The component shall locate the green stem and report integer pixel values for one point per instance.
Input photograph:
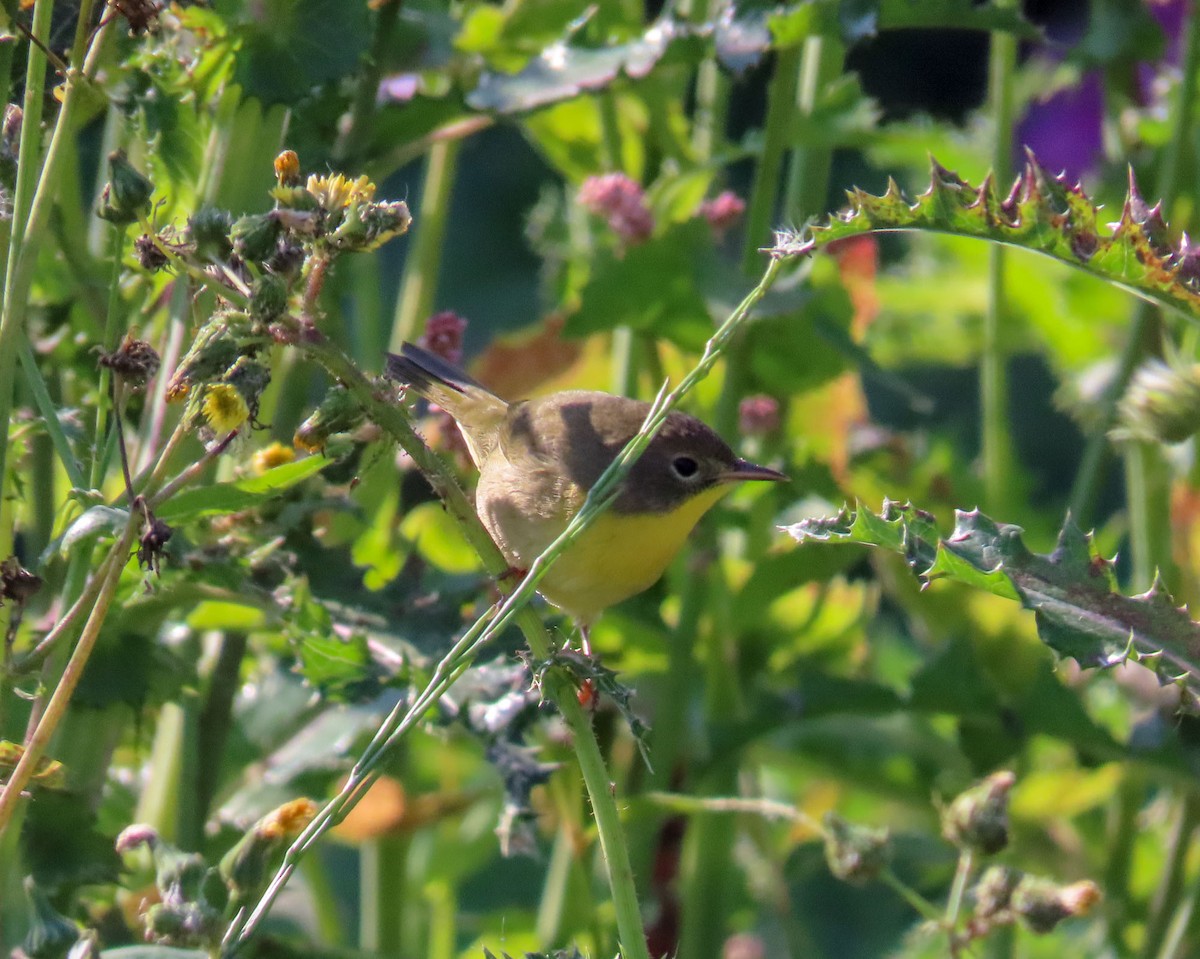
(216, 717)
(1167, 899)
(12, 319)
(781, 103)
(958, 890)
(383, 865)
(108, 576)
(993, 374)
(1147, 485)
(112, 331)
(808, 169)
(418, 289)
(1122, 832)
(712, 99)
(1181, 936)
(350, 146)
(22, 254)
(324, 901)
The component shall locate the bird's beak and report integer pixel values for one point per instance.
(745, 470)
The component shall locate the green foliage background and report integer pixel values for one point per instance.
(312, 583)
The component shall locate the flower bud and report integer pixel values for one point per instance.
(339, 412)
(276, 454)
(213, 352)
(994, 890)
(209, 230)
(127, 193)
(1042, 904)
(250, 863)
(254, 236)
(855, 854)
(268, 298)
(287, 168)
(978, 818)
(622, 204)
(1162, 403)
(444, 336)
(723, 211)
(758, 415)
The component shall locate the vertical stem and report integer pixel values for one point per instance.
(12, 320)
(418, 290)
(1170, 891)
(1147, 491)
(111, 333)
(808, 169)
(781, 97)
(957, 891)
(383, 864)
(349, 146)
(993, 374)
(712, 95)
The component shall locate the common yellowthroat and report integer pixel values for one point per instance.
(539, 458)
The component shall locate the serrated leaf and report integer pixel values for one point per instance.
(1041, 213)
(223, 498)
(1078, 611)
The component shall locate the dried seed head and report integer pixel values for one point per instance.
(135, 361)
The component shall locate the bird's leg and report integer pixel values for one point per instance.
(507, 581)
(587, 695)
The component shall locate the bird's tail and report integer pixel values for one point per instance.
(478, 411)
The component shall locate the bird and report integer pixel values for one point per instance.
(538, 458)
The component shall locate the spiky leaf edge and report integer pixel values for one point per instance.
(1041, 213)
(1072, 591)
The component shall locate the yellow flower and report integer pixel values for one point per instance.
(336, 192)
(288, 821)
(271, 456)
(225, 408)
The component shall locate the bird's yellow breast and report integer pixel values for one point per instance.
(620, 555)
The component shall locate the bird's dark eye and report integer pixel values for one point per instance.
(685, 467)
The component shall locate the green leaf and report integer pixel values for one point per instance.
(653, 286)
(438, 539)
(223, 498)
(563, 71)
(1042, 214)
(1072, 591)
(95, 521)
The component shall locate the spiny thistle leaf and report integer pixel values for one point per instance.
(1041, 213)
(1072, 591)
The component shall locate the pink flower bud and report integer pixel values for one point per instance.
(444, 336)
(622, 204)
(758, 415)
(723, 211)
